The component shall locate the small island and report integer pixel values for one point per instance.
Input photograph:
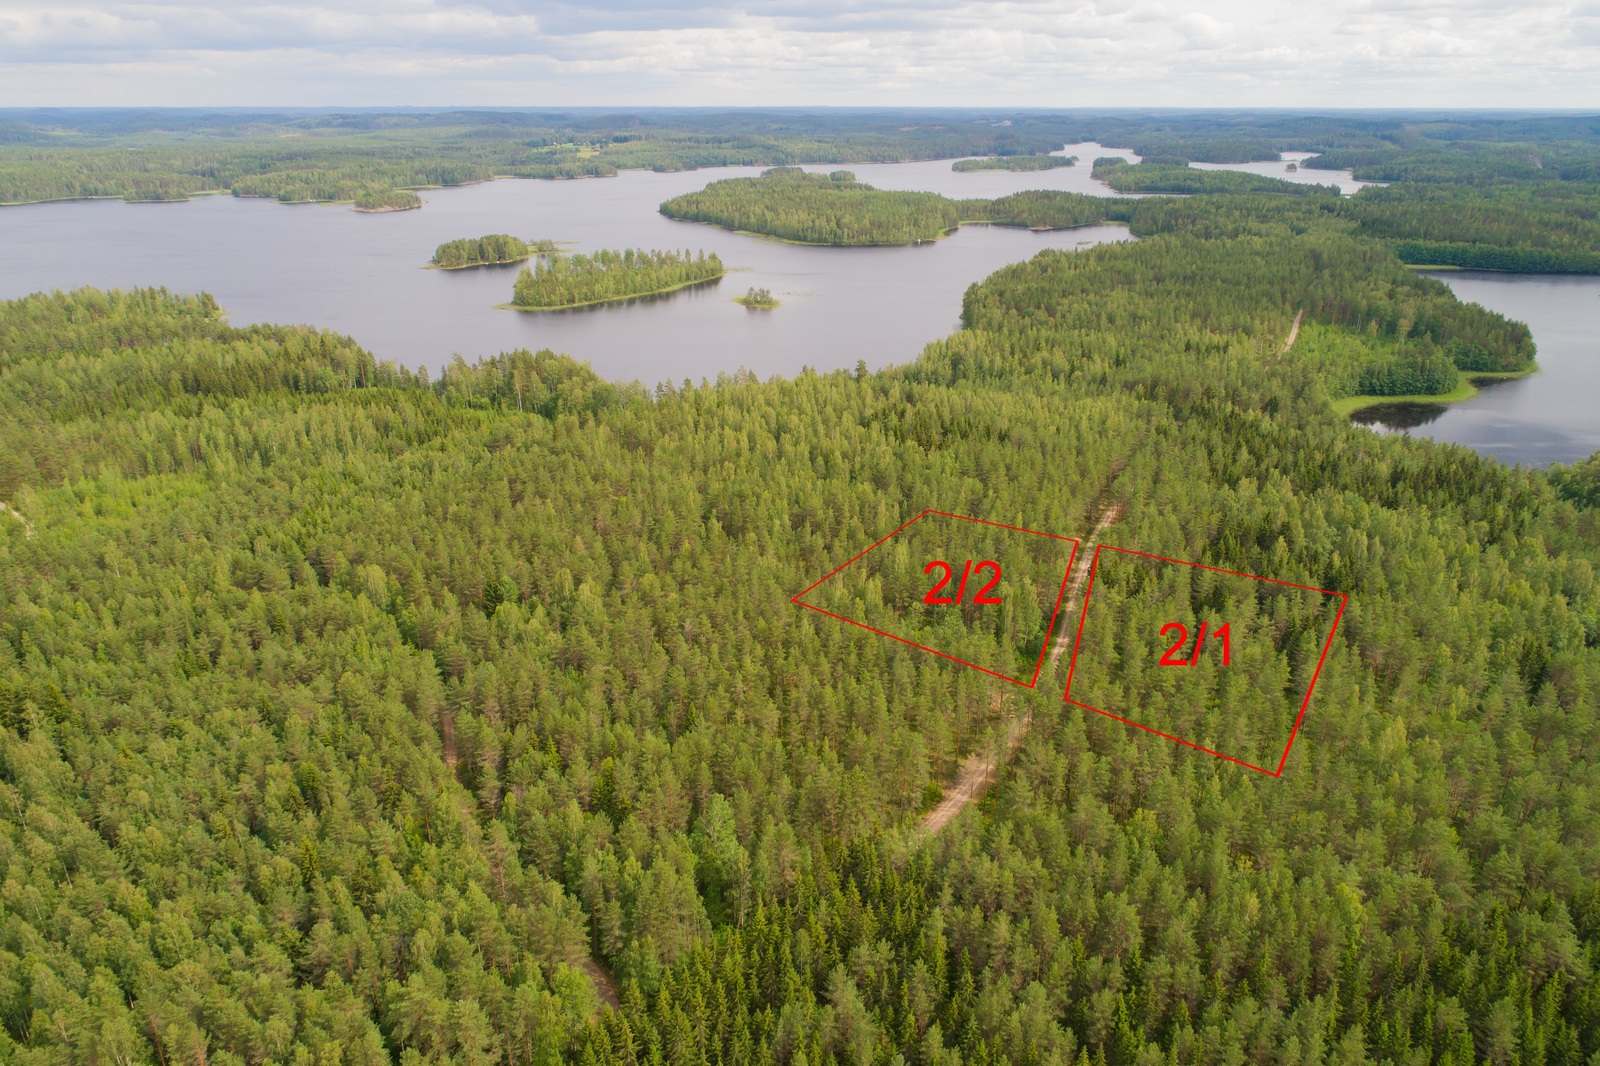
(755, 297)
(382, 200)
(491, 250)
(1013, 163)
(562, 281)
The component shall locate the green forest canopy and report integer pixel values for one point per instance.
(558, 281)
(488, 250)
(349, 714)
(1014, 163)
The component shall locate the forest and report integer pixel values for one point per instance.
(558, 281)
(356, 714)
(794, 205)
(1178, 177)
(488, 250)
(1013, 163)
(174, 154)
(380, 200)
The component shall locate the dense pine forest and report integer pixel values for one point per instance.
(559, 281)
(357, 714)
(351, 715)
(834, 208)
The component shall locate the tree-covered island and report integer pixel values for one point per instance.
(1013, 163)
(758, 298)
(562, 281)
(379, 201)
(491, 250)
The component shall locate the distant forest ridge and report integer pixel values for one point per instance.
(158, 154)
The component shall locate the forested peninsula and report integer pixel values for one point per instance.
(806, 208)
(563, 281)
(1148, 177)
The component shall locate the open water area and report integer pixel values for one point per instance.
(1550, 416)
(365, 275)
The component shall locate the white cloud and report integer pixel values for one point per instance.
(621, 52)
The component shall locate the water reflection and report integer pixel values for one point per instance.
(1397, 417)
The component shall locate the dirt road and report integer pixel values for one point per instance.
(27, 526)
(977, 769)
(1294, 330)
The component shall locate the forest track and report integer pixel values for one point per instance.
(1294, 330)
(977, 769)
(1080, 570)
(603, 983)
(27, 526)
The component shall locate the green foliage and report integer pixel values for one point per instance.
(574, 280)
(812, 209)
(1156, 177)
(1041, 209)
(1013, 163)
(795, 205)
(1430, 374)
(388, 200)
(755, 297)
(342, 157)
(1579, 482)
(1548, 228)
(492, 249)
(349, 714)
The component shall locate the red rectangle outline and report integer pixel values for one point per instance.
(1055, 613)
(1094, 566)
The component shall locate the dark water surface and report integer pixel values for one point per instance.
(1551, 416)
(363, 274)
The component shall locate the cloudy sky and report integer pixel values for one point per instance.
(1041, 53)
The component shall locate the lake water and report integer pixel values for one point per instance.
(1279, 168)
(363, 274)
(1551, 416)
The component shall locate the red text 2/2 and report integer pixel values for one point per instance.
(932, 596)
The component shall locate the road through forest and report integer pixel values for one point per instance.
(977, 769)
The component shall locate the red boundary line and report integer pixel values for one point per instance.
(1066, 696)
(1044, 649)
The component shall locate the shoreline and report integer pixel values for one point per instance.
(1466, 390)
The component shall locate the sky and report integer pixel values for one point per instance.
(1024, 53)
